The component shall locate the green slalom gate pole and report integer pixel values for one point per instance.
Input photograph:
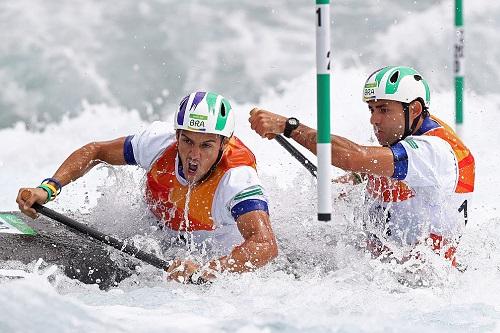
(459, 66)
(324, 151)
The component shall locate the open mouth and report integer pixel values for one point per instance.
(192, 167)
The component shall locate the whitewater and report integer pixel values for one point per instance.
(321, 281)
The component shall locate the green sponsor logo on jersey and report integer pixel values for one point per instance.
(411, 143)
(249, 192)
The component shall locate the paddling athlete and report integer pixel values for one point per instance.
(418, 182)
(201, 183)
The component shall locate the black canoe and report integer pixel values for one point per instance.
(77, 255)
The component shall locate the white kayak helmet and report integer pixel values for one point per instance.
(397, 83)
(402, 84)
(205, 112)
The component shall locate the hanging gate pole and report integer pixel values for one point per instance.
(459, 66)
(324, 151)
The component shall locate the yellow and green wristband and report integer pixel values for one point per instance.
(51, 189)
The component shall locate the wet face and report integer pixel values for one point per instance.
(388, 121)
(198, 152)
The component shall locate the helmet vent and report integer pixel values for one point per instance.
(417, 77)
(394, 77)
(222, 110)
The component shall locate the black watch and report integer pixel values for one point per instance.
(290, 125)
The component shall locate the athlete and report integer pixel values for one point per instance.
(418, 182)
(201, 184)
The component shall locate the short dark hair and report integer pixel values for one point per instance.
(425, 109)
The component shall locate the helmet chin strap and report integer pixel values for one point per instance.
(409, 129)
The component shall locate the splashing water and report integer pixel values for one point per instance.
(190, 243)
(322, 281)
(34, 273)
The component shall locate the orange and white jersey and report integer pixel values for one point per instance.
(429, 193)
(208, 210)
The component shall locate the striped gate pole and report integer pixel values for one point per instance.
(459, 66)
(324, 151)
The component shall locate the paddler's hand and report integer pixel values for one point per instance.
(27, 197)
(266, 124)
(181, 270)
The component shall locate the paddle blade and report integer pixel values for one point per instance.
(11, 224)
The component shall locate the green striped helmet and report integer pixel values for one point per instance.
(205, 112)
(397, 83)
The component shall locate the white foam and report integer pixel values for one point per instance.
(320, 281)
(338, 289)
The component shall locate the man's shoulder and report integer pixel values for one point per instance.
(151, 142)
(239, 174)
(238, 179)
(237, 154)
(156, 131)
(426, 145)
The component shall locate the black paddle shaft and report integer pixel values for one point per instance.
(298, 155)
(111, 241)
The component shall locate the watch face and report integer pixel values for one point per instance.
(293, 121)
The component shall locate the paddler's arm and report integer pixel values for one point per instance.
(88, 156)
(258, 248)
(346, 154)
(74, 167)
